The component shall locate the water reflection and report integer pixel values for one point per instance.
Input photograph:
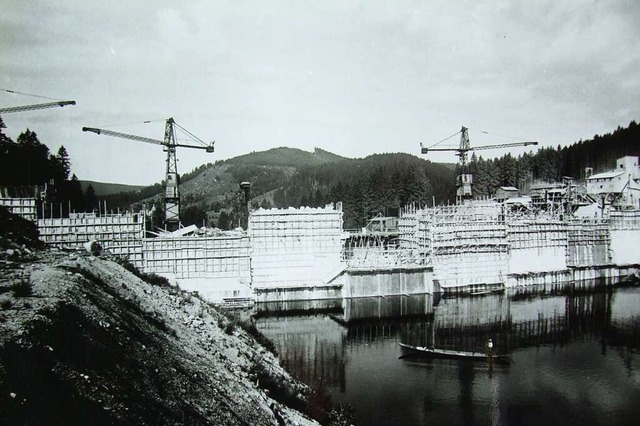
(572, 349)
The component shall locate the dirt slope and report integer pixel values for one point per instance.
(84, 341)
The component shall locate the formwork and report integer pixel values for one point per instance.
(121, 234)
(216, 267)
(469, 248)
(537, 245)
(198, 257)
(408, 227)
(294, 249)
(625, 234)
(588, 243)
(23, 207)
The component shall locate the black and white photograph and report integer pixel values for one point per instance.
(338, 212)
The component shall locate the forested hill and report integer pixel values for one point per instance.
(286, 177)
(103, 188)
(286, 157)
(378, 184)
(551, 164)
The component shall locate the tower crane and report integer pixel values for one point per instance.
(172, 193)
(465, 179)
(21, 108)
(36, 106)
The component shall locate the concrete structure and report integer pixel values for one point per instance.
(121, 234)
(295, 250)
(23, 207)
(481, 245)
(217, 267)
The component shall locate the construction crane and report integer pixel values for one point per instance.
(36, 106)
(172, 193)
(21, 108)
(465, 179)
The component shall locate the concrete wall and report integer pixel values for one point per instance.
(469, 245)
(198, 257)
(387, 282)
(121, 234)
(537, 246)
(23, 207)
(625, 237)
(295, 247)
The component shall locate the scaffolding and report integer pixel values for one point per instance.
(295, 247)
(121, 234)
(23, 207)
(198, 257)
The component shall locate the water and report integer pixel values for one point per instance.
(574, 356)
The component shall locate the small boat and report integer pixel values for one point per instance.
(485, 292)
(448, 353)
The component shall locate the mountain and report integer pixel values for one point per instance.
(287, 157)
(284, 177)
(102, 188)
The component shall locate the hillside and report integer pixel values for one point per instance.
(287, 157)
(377, 184)
(551, 164)
(102, 188)
(81, 338)
(284, 177)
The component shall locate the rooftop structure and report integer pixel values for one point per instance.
(621, 185)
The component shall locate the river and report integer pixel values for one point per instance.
(573, 356)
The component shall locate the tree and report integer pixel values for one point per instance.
(60, 165)
(32, 163)
(91, 200)
(224, 221)
(193, 215)
(73, 192)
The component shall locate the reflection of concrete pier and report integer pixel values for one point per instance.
(317, 346)
(310, 346)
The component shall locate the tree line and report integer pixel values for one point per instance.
(380, 184)
(27, 163)
(552, 164)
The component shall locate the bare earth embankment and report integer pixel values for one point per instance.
(85, 341)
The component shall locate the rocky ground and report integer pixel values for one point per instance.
(85, 341)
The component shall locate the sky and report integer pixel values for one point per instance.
(351, 77)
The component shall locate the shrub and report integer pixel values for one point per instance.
(260, 338)
(278, 388)
(151, 278)
(22, 288)
(5, 304)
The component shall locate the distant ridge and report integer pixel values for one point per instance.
(104, 188)
(286, 157)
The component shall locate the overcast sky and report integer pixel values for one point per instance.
(351, 77)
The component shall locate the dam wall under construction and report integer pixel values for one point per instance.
(304, 253)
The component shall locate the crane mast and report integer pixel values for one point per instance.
(172, 179)
(172, 194)
(464, 180)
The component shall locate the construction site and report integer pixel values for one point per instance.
(554, 233)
